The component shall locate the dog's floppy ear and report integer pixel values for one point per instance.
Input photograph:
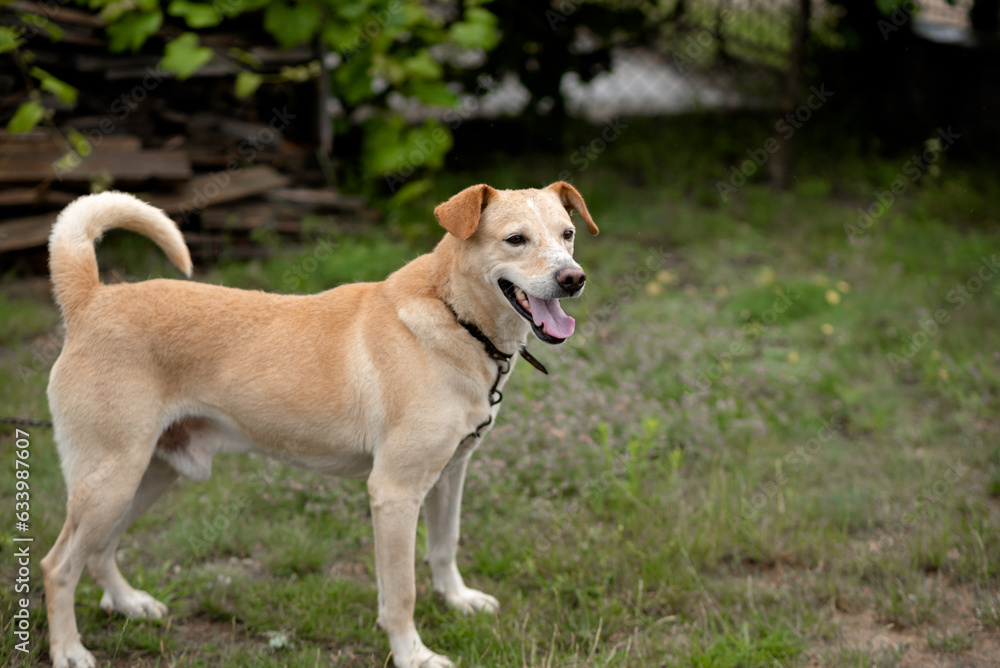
(460, 214)
(571, 199)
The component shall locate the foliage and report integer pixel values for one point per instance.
(376, 48)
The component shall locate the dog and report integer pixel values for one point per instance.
(397, 380)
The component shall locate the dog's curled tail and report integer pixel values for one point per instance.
(72, 260)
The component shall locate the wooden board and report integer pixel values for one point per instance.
(125, 166)
(54, 12)
(317, 198)
(33, 142)
(243, 218)
(33, 196)
(218, 188)
(25, 232)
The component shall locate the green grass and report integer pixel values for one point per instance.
(21, 318)
(702, 481)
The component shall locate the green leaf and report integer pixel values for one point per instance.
(383, 139)
(184, 57)
(410, 191)
(388, 67)
(422, 65)
(478, 30)
(435, 93)
(352, 11)
(301, 73)
(433, 134)
(195, 14)
(53, 31)
(10, 39)
(247, 83)
(27, 116)
(392, 149)
(244, 57)
(132, 30)
(113, 11)
(339, 37)
(291, 25)
(50, 84)
(233, 8)
(351, 81)
(79, 142)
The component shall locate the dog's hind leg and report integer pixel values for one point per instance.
(443, 506)
(98, 498)
(119, 596)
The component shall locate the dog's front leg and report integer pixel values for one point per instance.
(444, 510)
(395, 510)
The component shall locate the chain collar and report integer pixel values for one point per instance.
(503, 366)
(491, 349)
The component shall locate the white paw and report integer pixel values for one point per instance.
(436, 661)
(134, 603)
(424, 658)
(75, 656)
(470, 601)
(414, 654)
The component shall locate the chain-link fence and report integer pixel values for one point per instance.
(707, 54)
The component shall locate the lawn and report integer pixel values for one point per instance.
(772, 441)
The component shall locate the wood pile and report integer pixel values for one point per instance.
(221, 166)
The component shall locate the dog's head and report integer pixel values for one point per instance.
(520, 242)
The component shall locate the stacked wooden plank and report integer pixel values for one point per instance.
(218, 208)
(221, 166)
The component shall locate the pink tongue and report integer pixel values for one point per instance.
(548, 314)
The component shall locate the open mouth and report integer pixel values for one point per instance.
(548, 321)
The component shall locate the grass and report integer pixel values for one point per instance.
(725, 468)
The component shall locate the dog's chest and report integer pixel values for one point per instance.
(483, 421)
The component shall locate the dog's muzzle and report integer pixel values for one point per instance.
(548, 321)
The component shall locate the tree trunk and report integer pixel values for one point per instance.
(780, 165)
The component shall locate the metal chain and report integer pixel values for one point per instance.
(25, 422)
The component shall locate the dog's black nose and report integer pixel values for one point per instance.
(571, 279)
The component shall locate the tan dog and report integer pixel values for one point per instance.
(396, 381)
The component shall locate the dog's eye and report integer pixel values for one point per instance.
(515, 240)
(568, 235)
